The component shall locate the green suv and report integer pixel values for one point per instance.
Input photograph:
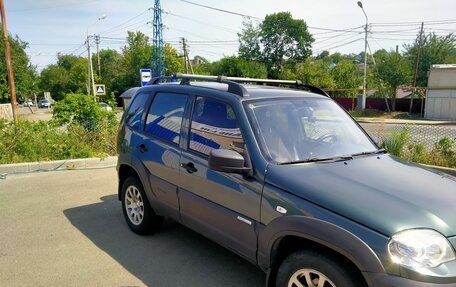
(278, 173)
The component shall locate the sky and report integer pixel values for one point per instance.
(61, 26)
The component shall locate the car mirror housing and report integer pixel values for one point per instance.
(225, 160)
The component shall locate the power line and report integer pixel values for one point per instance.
(222, 10)
(344, 44)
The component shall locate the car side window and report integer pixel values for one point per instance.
(135, 110)
(214, 126)
(165, 116)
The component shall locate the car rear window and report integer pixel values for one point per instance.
(165, 116)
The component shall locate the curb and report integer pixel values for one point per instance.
(59, 165)
(406, 122)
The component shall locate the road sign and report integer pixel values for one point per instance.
(100, 89)
(145, 76)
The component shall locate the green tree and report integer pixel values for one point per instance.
(435, 50)
(24, 72)
(238, 67)
(277, 41)
(249, 41)
(69, 75)
(173, 62)
(346, 75)
(316, 73)
(393, 70)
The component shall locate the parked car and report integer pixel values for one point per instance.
(29, 103)
(44, 104)
(286, 179)
(105, 106)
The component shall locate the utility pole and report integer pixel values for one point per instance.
(97, 41)
(184, 47)
(9, 62)
(366, 30)
(187, 62)
(416, 67)
(88, 66)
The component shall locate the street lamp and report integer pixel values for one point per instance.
(91, 79)
(363, 99)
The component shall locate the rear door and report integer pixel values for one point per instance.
(222, 206)
(159, 149)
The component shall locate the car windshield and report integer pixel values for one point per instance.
(291, 130)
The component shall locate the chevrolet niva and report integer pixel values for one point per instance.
(278, 173)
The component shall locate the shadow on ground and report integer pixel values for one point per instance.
(175, 256)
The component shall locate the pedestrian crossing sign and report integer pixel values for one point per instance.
(100, 89)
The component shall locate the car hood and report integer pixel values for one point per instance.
(381, 192)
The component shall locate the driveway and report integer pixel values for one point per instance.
(66, 228)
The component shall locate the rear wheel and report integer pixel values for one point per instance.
(312, 269)
(137, 211)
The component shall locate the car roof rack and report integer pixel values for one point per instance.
(234, 83)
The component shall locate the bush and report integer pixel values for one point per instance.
(81, 109)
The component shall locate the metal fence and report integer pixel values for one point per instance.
(427, 135)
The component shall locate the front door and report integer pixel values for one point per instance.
(222, 206)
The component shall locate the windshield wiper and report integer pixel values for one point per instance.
(382, 150)
(316, 159)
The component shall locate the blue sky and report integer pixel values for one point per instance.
(51, 26)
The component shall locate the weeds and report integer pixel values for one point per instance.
(42, 141)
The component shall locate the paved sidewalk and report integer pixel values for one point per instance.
(66, 228)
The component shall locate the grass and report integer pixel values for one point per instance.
(384, 115)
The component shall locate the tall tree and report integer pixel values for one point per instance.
(249, 41)
(69, 75)
(277, 41)
(24, 71)
(434, 50)
(239, 67)
(393, 70)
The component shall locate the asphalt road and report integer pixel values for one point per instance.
(67, 229)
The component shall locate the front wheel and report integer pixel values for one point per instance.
(137, 211)
(312, 269)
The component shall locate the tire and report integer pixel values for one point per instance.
(309, 268)
(136, 208)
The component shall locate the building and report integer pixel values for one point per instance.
(441, 93)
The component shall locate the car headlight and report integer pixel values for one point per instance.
(420, 248)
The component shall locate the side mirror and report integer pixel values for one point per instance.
(225, 160)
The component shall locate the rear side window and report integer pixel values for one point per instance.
(135, 110)
(214, 126)
(165, 116)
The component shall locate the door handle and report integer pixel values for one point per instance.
(142, 148)
(190, 167)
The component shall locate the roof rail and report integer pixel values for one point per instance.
(233, 87)
(233, 82)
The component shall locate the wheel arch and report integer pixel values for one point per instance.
(285, 235)
(125, 171)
